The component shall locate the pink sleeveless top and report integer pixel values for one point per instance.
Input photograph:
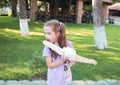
(55, 75)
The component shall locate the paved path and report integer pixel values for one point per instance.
(75, 82)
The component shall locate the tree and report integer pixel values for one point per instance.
(3, 3)
(23, 18)
(14, 8)
(99, 29)
(33, 9)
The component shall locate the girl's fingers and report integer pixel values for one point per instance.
(63, 58)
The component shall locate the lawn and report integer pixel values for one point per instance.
(16, 51)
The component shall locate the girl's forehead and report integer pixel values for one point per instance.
(48, 28)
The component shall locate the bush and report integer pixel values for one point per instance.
(37, 66)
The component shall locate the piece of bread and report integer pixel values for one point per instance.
(60, 51)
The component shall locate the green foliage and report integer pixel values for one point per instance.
(4, 3)
(87, 9)
(37, 66)
(42, 6)
(116, 1)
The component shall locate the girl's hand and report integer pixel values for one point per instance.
(72, 63)
(63, 58)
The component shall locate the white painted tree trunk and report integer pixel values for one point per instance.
(24, 26)
(100, 37)
(23, 18)
(99, 29)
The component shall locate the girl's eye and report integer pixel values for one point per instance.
(49, 33)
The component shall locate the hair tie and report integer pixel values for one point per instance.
(60, 23)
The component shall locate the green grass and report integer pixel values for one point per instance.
(17, 50)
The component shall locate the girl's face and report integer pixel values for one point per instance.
(50, 35)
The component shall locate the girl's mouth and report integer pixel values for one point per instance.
(48, 40)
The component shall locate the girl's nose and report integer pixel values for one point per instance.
(46, 36)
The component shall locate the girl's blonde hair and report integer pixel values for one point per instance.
(58, 27)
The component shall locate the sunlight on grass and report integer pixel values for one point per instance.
(18, 32)
(114, 58)
(86, 32)
(17, 70)
(83, 46)
(115, 48)
(11, 31)
(106, 52)
(82, 32)
(36, 33)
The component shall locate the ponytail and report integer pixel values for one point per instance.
(62, 36)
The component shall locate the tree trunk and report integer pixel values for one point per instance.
(79, 11)
(23, 18)
(14, 8)
(99, 29)
(33, 9)
(27, 7)
(52, 13)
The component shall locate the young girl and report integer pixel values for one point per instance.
(59, 72)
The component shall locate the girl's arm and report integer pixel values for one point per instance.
(51, 64)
